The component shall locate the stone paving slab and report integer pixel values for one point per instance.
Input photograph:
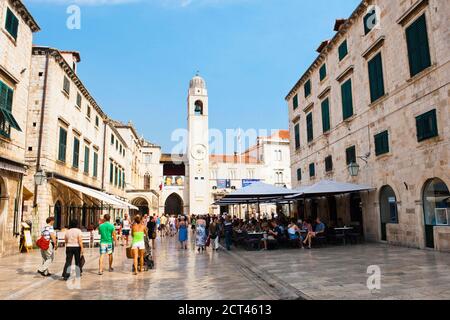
(340, 272)
(179, 274)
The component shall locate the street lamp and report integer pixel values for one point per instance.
(40, 178)
(353, 169)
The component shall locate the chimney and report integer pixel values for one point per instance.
(72, 58)
(339, 23)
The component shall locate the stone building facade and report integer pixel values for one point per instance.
(17, 28)
(377, 99)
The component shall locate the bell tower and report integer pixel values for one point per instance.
(198, 147)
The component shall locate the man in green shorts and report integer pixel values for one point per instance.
(107, 241)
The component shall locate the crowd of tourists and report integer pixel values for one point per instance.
(136, 234)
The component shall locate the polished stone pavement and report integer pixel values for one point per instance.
(335, 272)
(341, 272)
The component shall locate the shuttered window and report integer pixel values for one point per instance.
(86, 159)
(299, 174)
(119, 184)
(323, 72)
(76, 152)
(66, 85)
(11, 23)
(343, 50)
(7, 120)
(297, 135)
(62, 144)
(309, 127)
(347, 99)
(376, 80)
(295, 101)
(95, 165)
(418, 46)
(312, 170)
(382, 143)
(97, 121)
(350, 155)
(78, 100)
(329, 164)
(370, 21)
(307, 88)
(326, 115)
(111, 173)
(426, 125)
(123, 179)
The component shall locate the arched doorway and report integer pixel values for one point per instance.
(143, 206)
(57, 213)
(436, 198)
(388, 209)
(173, 205)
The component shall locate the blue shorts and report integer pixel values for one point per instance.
(126, 232)
(106, 248)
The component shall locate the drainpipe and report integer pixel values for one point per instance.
(41, 127)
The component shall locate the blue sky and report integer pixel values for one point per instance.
(137, 56)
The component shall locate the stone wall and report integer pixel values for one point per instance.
(409, 164)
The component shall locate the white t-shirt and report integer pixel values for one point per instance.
(72, 237)
(126, 225)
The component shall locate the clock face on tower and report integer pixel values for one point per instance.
(198, 152)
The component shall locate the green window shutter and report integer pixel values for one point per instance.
(123, 179)
(376, 79)
(97, 121)
(370, 20)
(350, 155)
(309, 127)
(86, 159)
(62, 144)
(323, 72)
(347, 99)
(426, 125)
(307, 88)
(382, 143)
(120, 178)
(343, 50)
(95, 165)
(111, 173)
(312, 170)
(297, 136)
(76, 152)
(328, 163)
(326, 115)
(295, 101)
(418, 46)
(11, 24)
(112, 139)
(299, 174)
(78, 100)
(115, 175)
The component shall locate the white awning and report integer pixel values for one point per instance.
(104, 197)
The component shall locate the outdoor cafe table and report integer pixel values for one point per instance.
(344, 231)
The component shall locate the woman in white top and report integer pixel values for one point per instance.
(74, 247)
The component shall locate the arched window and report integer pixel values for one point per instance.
(436, 207)
(198, 108)
(147, 181)
(388, 209)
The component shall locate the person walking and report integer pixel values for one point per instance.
(126, 227)
(107, 241)
(228, 229)
(151, 229)
(163, 225)
(49, 234)
(138, 232)
(214, 233)
(200, 228)
(74, 248)
(183, 232)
